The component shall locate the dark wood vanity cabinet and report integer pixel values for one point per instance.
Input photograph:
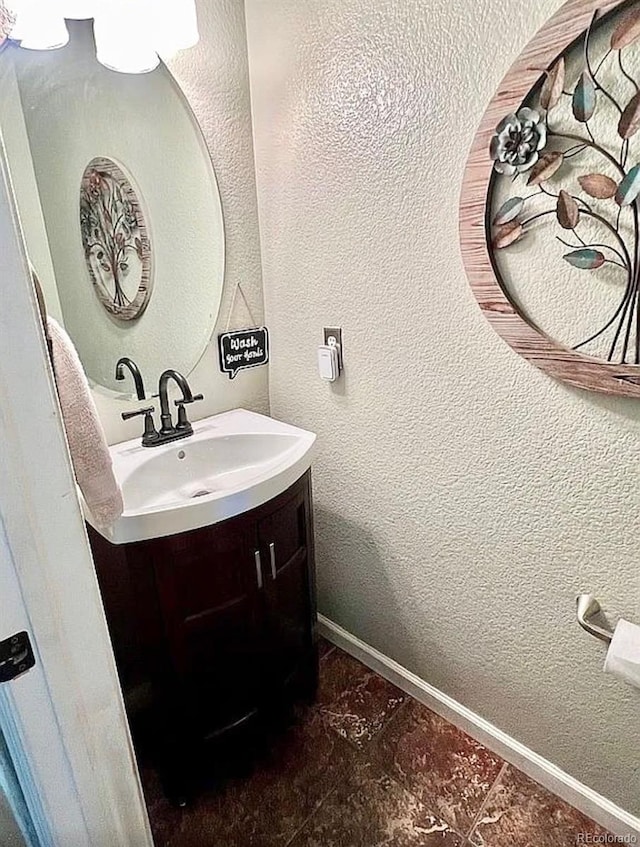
(214, 629)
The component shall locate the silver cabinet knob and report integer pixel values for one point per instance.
(272, 554)
(256, 556)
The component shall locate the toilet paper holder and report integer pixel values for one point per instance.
(589, 608)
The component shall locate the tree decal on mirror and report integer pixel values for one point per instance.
(598, 222)
(115, 240)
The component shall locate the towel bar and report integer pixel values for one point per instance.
(588, 608)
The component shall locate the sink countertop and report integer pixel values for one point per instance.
(233, 462)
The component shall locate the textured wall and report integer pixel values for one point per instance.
(462, 497)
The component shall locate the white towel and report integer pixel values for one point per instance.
(87, 444)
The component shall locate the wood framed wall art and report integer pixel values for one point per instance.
(550, 207)
(115, 239)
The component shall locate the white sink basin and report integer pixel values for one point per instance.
(232, 463)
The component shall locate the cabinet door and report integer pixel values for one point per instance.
(127, 584)
(285, 544)
(209, 586)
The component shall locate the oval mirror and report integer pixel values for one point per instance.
(119, 204)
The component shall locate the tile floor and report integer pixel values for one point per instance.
(368, 766)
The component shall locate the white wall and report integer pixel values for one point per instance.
(462, 497)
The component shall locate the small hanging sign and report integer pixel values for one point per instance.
(244, 348)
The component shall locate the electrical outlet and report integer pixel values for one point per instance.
(334, 332)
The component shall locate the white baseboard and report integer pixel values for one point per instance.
(592, 804)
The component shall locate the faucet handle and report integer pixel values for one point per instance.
(183, 424)
(195, 397)
(150, 434)
(128, 415)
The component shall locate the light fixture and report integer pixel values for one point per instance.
(175, 26)
(78, 10)
(39, 26)
(130, 35)
(123, 36)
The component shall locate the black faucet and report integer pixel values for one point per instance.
(168, 432)
(125, 361)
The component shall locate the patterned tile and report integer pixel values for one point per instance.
(519, 811)
(408, 779)
(268, 808)
(443, 766)
(354, 700)
(372, 810)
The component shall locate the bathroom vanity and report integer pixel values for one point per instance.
(213, 629)
(213, 626)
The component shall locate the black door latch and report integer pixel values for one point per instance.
(16, 656)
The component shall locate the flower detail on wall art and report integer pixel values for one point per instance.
(114, 237)
(560, 207)
(517, 142)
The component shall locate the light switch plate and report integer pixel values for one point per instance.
(334, 332)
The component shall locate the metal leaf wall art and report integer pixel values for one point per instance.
(114, 237)
(576, 177)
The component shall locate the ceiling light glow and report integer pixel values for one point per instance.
(131, 35)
